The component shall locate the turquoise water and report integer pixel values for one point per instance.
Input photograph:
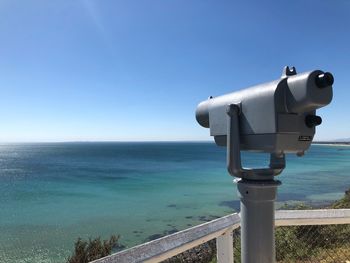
(51, 194)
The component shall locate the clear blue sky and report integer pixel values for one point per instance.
(135, 70)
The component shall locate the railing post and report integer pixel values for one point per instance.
(224, 247)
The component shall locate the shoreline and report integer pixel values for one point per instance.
(332, 144)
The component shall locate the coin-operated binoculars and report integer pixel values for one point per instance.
(277, 117)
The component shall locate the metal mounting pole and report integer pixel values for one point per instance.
(257, 220)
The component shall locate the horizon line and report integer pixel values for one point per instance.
(135, 141)
(99, 141)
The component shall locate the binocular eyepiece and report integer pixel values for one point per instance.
(324, 80)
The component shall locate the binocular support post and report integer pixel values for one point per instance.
(234, 165)
(257, 191)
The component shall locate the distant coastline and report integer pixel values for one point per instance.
(330, 143)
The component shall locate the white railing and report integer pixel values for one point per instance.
(221, 229)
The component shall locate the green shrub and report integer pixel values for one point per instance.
(86, 251)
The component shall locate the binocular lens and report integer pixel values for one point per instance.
(324, 80)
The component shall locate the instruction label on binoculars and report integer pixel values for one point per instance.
(305, 138)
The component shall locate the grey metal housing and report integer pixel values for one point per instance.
(275, 117)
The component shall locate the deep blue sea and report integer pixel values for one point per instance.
(53, 193)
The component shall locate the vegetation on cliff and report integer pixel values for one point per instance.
(86, 251)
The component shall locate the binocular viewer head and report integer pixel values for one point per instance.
(275, 117)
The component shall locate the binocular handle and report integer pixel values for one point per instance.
(234, 164)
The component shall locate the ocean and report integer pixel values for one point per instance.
(53, 193)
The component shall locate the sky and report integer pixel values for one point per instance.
(136, 70)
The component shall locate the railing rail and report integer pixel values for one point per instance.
(221, 229)
(312, 217)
